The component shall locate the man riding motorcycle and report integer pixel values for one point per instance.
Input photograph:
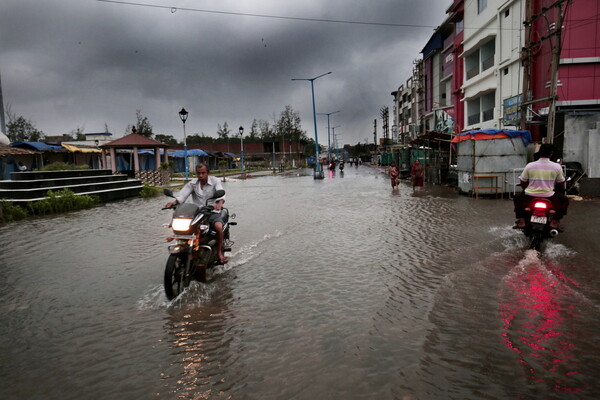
(203, 188)
(542, 179)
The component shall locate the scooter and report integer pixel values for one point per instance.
(194, 248)
(537, 228)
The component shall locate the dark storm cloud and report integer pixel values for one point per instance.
(83, 63)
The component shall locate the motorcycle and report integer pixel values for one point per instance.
(537, 222)
(194, 250)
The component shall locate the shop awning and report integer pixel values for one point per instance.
(73, 149)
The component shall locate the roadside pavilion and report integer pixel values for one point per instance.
(135, 142)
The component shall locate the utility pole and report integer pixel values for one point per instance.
(2, 120)
(526, 59)
(555, 30)
(375, 131)
(554, 79)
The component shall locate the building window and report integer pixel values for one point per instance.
(481, 109)
(488, 51)
(507, 13)
(488, 102)
(472, 64)
(481, 59)
(481, 5)
(459, 26)
(473, 111)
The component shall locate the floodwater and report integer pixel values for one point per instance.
(336, 289)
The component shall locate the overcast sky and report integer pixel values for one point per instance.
(68, 64)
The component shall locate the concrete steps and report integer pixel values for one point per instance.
(26, 187)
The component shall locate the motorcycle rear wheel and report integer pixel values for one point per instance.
(175, 279)
(536, 241)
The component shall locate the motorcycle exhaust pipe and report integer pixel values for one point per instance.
(553, 233)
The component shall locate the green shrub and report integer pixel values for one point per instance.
(62, 166)
(167, 166)
(10, 212)
(149, 190)
(62, 201)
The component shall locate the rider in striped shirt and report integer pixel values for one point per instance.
(542, 178)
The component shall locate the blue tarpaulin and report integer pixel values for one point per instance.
(192, 152)
(37, 146)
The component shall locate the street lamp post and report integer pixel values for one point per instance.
(242, 148)
(183, 115)
(333, 134)
(328, 136)
(318, 172)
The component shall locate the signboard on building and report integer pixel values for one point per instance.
(512, 110)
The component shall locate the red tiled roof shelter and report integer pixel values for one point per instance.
(134, 141)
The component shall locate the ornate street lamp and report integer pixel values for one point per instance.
(242, 147)
(183, 115)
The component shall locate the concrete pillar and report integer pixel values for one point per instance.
(113, 160)
(136, 160)
(104, 164)
(157, 158)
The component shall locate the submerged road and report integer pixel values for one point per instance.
(336, 289)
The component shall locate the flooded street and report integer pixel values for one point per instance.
(335, 289)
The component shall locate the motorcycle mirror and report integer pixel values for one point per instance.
(218, 193)
(168, 192)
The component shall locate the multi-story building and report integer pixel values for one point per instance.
(492, 44)
(407, 105)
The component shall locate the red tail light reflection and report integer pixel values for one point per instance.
(538, 328)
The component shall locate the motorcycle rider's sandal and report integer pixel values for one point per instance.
(223, 260)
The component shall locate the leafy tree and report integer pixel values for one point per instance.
(223, 131)
(166, 139)
(78, 134)
(253, 134)
(20, 129)
(289, 125)
(265, 130)
(142, 126)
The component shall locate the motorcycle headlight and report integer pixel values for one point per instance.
(181, 224)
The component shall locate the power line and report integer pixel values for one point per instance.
(337, 21)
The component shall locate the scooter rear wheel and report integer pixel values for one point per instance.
(175, 280)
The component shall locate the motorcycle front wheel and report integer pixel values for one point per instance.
(175, 279)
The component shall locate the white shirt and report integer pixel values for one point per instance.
(199, 195)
